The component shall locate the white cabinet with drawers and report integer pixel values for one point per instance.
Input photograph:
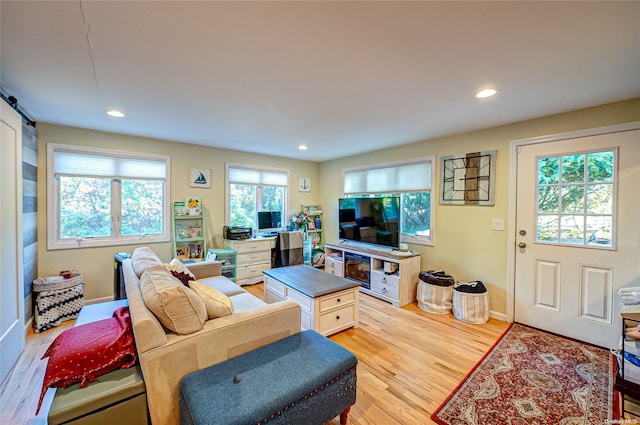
(393, 278)
(253, 257)
(333, 265)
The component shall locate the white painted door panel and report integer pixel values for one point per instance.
(12, 331)
(572, 290)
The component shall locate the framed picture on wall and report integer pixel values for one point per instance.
(468, 179)
(200, 177)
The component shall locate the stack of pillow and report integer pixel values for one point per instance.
(180, 302)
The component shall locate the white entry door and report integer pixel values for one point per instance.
(12, 330)
(577, 234)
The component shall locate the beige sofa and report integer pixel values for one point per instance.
(165, 356)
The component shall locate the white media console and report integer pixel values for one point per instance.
(392, 278)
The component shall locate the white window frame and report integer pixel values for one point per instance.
(257, 168)
(585, 184)
(404, 237)
(54, 242)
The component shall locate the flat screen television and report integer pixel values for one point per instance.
(269, 221)
(370, 220)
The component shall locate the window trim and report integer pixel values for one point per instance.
(287, 187)
(53, 216)
(405, 237)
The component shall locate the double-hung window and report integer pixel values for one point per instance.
(103, 197)
(252, 190)
(412, 181)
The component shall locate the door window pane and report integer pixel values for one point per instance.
(599, 230)
(548, 228)
(600, 199)
(573, 169)
(572, 229)
(548, 200)
(576, 199)
(572, 199)
(600, 167)
(548, 170)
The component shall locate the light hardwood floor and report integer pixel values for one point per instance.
(409, 361)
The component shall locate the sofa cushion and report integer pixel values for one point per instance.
(246, 302)
(177, 307)
(142, 258)
(223, 285)
(217, 303)
(180, 271)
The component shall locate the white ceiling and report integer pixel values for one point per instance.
(340, 77)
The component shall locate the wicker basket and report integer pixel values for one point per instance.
(471, 306)
(41, 285)
(435, 292)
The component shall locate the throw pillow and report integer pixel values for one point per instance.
(85, 352)
(177, 307)
(178, 266)
(217, 303)
(182, 277)
(142, 258)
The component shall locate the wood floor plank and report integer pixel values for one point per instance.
(409, 361)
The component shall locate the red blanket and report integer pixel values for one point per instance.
(82, 353)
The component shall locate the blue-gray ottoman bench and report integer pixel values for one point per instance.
(303, 379)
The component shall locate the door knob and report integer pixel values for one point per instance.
(522, 245)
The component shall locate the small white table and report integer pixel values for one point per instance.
(329, 303)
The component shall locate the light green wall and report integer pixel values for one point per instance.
(96, 264)
(465, 246)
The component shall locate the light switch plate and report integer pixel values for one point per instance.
(497, 224)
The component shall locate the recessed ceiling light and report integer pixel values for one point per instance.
(114, 113)
(303, 147)
(485, 93)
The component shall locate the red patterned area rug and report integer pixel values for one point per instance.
(533, 377)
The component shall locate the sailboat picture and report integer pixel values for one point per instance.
(200, 177)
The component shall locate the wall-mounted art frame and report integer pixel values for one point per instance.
(200, 177)
(468, 179)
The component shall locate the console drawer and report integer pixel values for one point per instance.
(336, 300)
(386, 290)
(340, 318)
(333, 266)
(390, 281)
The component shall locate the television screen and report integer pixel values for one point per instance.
(370, 220)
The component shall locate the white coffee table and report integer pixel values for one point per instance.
(329, 303)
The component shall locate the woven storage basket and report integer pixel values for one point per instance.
(54, 307)
(435, 292)
(471, 302)
(40, 285)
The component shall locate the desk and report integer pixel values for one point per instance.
(329, 303)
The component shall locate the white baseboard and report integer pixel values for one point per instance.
(498, 316)
(28, 325)
(99, 300)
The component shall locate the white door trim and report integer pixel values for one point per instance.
(514, 145)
